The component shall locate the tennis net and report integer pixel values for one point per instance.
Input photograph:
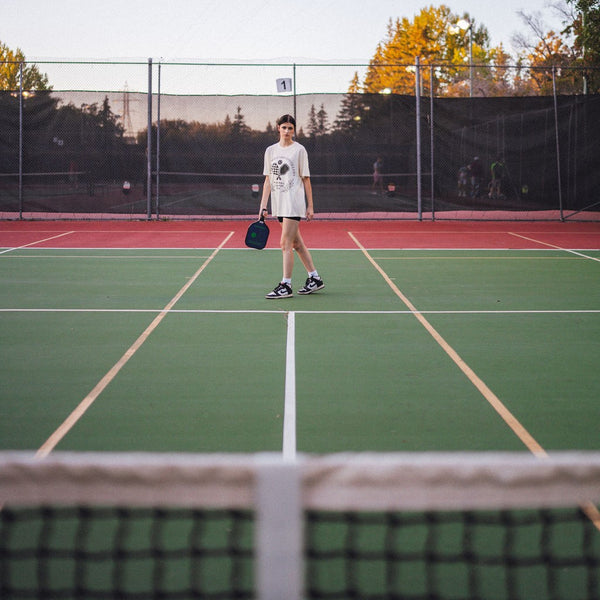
(368, 526)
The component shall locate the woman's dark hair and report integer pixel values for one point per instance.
(287, 119)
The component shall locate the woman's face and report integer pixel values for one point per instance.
(286, 132)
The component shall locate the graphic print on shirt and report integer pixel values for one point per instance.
(283, 174)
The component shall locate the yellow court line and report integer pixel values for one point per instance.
(494, 401)
(83, 406)
(592, 513)
(588, 508)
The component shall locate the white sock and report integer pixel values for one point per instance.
(286, 280)
(314, 274)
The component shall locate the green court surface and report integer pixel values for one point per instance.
(410, 350)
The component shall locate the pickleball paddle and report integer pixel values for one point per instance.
(257, 234)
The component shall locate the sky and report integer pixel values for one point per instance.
(224, 29)
(231, 30)
(274, 32)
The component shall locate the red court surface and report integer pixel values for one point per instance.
(317, 234)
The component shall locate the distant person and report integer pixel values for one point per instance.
(377, 176)
(497, 170)
(476, 171)
(463, 178)
(287, 181)
(73, 173)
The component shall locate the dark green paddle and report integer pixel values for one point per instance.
(258, 233)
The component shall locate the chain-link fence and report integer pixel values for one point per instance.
(450, 142)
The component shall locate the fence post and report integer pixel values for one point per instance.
(432, 143)
(20, 140)
(294, 88)
(418, 134)
(560, 202)
(158, 147)
(149, 145)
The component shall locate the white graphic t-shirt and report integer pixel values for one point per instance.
(286, 166)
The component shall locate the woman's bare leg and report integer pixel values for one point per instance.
(291, 241)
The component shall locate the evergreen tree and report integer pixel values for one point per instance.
(322, 121)
(239, 127)
(313, 123)
(351, 110)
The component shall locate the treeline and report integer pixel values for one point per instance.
(64, 138)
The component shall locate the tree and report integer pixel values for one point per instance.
(318, 121)
(239, 127)
(10, 68)
(585, 27)
(428, 37)
(550, 54)
(322, 121)
(313, 126)
(352, 108)
(546, 54)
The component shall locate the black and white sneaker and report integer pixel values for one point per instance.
(313, 284)
(283, 290)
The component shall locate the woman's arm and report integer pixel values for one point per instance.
(265, 196)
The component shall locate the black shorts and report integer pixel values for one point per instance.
(280, 219)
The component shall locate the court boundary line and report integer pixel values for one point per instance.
(554, 246)
(513, 423)
(12, 249)
(289, 410)
(305, 312)
(84, 405)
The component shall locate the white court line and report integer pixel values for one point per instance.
(289, 415)
(83, 406)
(36, 242)
(553, 246)
(303, 312)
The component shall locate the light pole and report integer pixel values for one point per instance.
(464, 25)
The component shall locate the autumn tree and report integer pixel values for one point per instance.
(10, 63)
(550, 57)
(430, 37)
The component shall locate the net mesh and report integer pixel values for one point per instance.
(75, 152)
(121, 552)
(372, 527)
(451, 555)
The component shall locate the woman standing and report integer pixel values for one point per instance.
(287, 181)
